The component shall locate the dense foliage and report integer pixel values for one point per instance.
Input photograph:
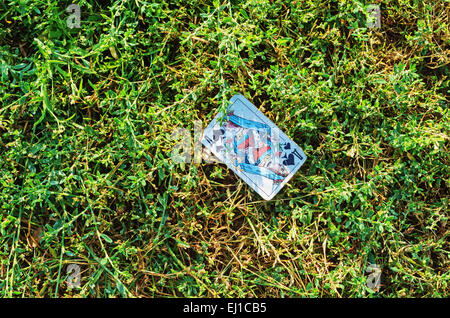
(86, 117)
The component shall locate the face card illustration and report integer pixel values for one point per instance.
(253, 147)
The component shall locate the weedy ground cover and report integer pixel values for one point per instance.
(86, 117)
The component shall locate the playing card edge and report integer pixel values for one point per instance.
(237, 96)
(253, 185)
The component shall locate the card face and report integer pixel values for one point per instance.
(253, 147)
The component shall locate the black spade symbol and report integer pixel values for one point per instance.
(289, 161)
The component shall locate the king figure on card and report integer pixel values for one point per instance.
(250, 147)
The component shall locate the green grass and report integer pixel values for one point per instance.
(86, 177)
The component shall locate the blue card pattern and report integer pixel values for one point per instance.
(253, 147)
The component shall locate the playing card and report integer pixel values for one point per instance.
(253, 147)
